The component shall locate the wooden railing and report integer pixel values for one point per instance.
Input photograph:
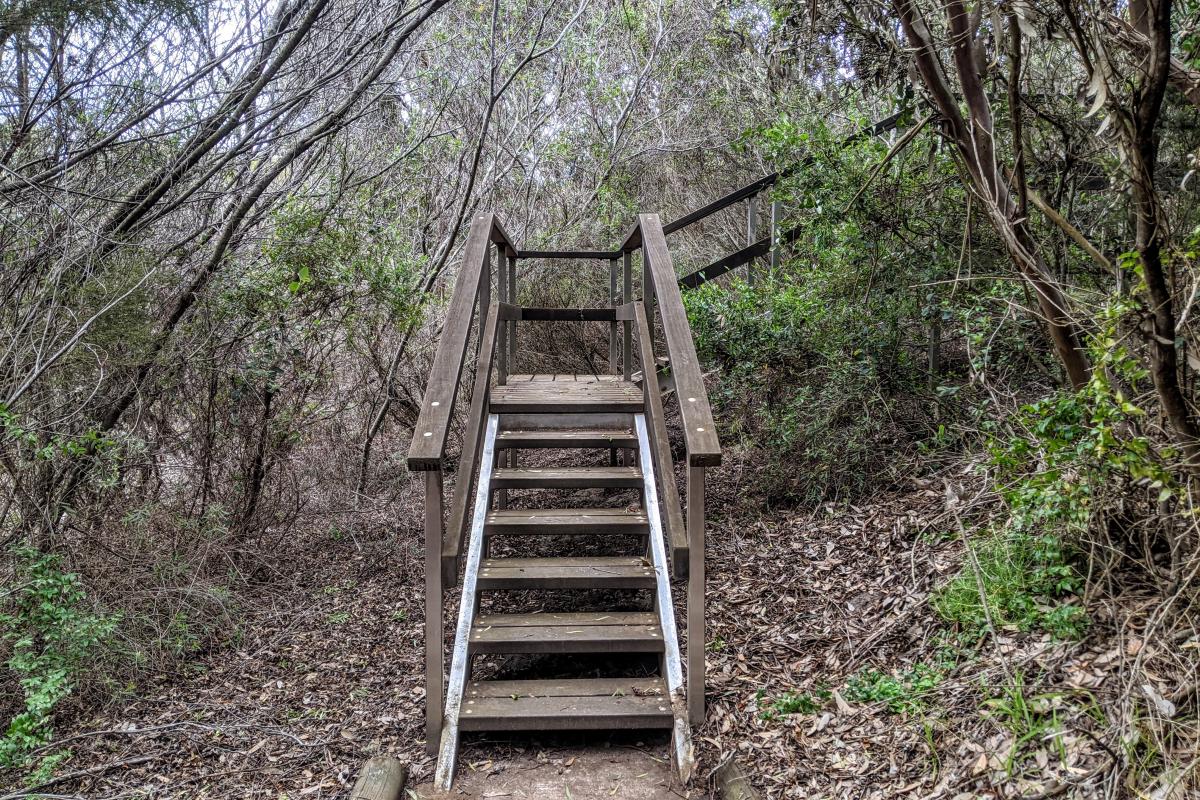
(470, 301)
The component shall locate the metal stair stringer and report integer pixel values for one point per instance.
(468, 606)
(681, 735)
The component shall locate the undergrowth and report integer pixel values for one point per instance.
(53, 635)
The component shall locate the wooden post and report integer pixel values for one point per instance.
(502, 296)
(695, 595)
(512, 298)
(502, 348)
(776, 218)
(627, 296)
(434, 667)
(752, 235)
(381, 778)
(484, 297)
(648, 297)
(612, 326)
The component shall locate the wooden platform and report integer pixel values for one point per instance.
(567, 394)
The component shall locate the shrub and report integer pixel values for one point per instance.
(1058, 463)
(795, 386)
(53, 635)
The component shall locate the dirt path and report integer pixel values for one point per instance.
(567, 771)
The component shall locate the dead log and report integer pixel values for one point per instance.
(382, 778)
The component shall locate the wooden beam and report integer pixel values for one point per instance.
(663, 604)
(726, 264)
(695, 595)
(531, 314)
(733, 783)
(583, 255)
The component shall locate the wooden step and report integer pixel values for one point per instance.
(577, 704)
(567, 521)
(566, 438)
(606, 632)
(588, 572)
(567, 478)
(574, 394)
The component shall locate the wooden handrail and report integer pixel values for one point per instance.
(727, 264)
(456, 531)
(656, 426)
(699, 431)
(736, 259)
(429, 436)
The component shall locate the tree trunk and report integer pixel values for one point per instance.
(1159, 321)
(974, 138)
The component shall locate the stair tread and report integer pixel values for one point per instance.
(585, 703)
(578, 437)
(560, 377)
(568, 520)
(567, 618)
(566, 477)
(653, 686)
(582, 393)
(567, 633)
(567, 572)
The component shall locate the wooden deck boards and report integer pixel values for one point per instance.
(630, 632)
(591, 704)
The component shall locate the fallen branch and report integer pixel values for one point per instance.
(91, 772)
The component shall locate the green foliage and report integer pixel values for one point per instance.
(902, 693)
(793, 386)
(1030, 720)
(315, 258)
(1058, 463)
(793, 703)
(823, 364)
(53, 635)
(1025, 582)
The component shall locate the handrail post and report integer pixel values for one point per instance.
(776, 218)
(649, 297)
(483, 297)
(627, 296)
(502, 296)
(512, 298)
(612, 326)
(752, 235)
(695, 594)
(434, 634)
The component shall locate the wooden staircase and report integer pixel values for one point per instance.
(516, 548)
